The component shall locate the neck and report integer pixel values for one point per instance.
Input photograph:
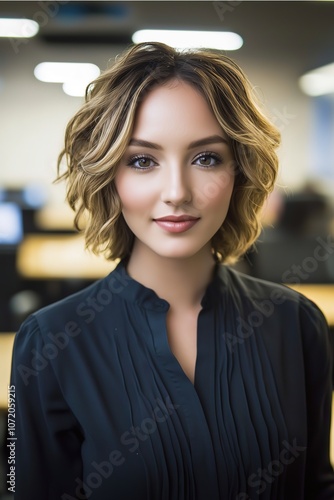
(180, 281)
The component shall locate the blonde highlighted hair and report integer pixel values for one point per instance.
(97, 136)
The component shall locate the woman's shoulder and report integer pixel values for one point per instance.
(287, 321)
(83, 307)
(255, 287)
(272, 298)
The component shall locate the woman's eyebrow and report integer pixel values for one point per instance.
(212, 139)
(144, 144)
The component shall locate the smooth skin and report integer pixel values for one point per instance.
(174, 176)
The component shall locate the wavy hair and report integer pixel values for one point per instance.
(97, 136)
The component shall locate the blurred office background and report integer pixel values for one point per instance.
(42, 259)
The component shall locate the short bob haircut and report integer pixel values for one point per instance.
(97, 136)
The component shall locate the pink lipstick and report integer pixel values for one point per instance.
(176, 224)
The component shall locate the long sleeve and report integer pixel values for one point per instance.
(319, 477)
(48, 437)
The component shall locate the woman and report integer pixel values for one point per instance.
(175, 377)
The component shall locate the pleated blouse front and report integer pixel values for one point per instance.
(105, 411)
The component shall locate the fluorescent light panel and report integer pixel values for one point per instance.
(179, 39)
(319, 81)
(18, 28)
(60, 72)
(74, 76)
(75, 88)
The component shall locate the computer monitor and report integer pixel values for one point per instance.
(11, 224)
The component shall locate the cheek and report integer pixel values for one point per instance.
(133, 194)
(220, 207)
(217, 195)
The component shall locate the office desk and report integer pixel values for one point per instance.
(6, 347)
(61, 257)
(322, 295)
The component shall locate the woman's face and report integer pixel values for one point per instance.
(178, 167)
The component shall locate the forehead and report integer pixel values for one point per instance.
(173, 107)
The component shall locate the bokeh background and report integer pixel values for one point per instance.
(42, 259)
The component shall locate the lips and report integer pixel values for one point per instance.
(177, 218)
(176, 224)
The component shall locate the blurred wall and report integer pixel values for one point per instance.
(34, 114)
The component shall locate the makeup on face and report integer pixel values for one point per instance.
(176, 178)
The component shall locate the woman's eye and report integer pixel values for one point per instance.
(141, 162)
(208, 160)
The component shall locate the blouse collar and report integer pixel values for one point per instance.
(135, 292)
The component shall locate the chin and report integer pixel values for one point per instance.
(177, 253)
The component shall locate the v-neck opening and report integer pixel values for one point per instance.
(193, 383)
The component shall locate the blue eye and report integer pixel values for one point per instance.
(208, 160)
(141, 162)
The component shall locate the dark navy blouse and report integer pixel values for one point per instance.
(105, 411)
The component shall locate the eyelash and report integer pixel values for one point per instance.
(133, 159)
(217, 158)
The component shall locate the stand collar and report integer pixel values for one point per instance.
(135, 292)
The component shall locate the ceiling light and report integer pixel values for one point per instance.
(56, 72)
(74, 76)
(75, 88)
(179, 39)
(18, 28)
(319, 81)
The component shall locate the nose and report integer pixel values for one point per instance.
(176, 188)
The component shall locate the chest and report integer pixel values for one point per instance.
(182, 339)
(149, 413)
